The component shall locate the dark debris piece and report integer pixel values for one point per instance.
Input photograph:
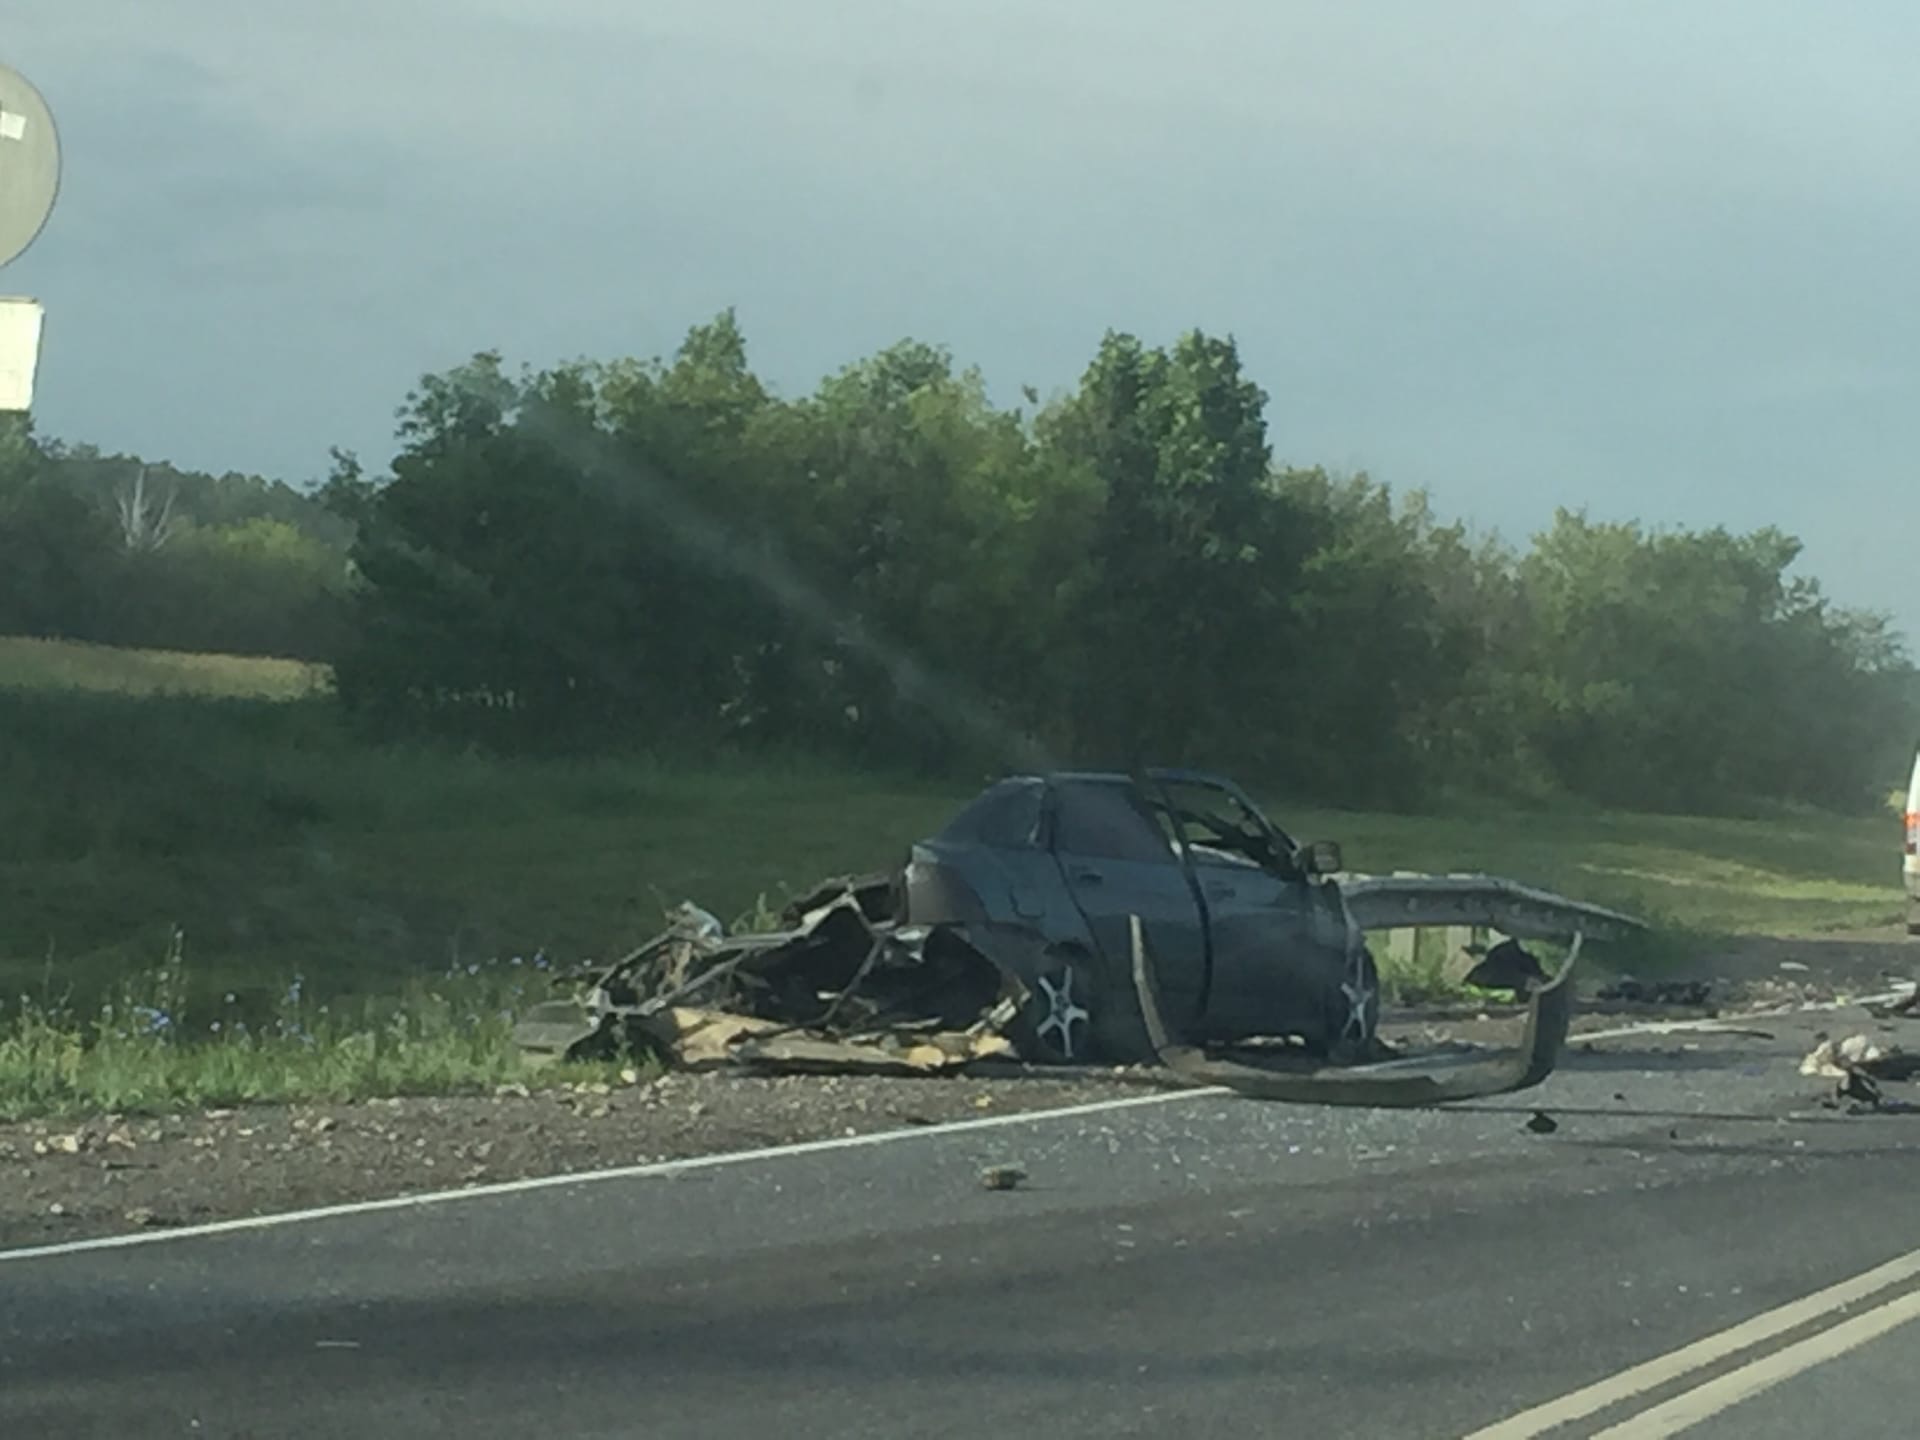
(1508, 966)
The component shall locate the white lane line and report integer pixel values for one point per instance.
(1734, 1023)
(589, 1177)
(698, 1162)
(1705, 1401)
(1701, 1353)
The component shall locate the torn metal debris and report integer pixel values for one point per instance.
(841, 989)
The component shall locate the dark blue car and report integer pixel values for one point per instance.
(1042, 874)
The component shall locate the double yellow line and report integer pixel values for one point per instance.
(1690, 1407)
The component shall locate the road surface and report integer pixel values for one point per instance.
(1190, 1264)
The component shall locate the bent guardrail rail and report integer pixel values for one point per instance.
(1396, 1084)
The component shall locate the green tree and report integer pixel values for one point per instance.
(1192, 552)
(55, 548)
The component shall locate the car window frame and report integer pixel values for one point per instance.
(1058, 791)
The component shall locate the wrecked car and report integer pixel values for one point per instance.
(1044, 874)
(1023, 930)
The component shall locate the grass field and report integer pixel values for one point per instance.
(218, 795)
(30, 664)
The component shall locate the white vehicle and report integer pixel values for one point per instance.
(1910, 866)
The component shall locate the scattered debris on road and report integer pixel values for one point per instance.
(1860, 1065)
(192, 1168)
(1907, 1006)
(1002, 1177)
(1691, 994)
(1861, 1088)
(1541, 1123)
(1858, 1054)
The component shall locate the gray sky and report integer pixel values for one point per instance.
(1646, 259)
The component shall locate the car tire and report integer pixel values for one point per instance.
(1056, 1024)
(1353, 1011)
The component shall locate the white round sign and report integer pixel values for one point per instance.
(29, 163)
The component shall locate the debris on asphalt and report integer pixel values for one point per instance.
(1907, 1006)
(1861, 1088)
(374, 1151)
(1541, 1123)
(1627, 990)
(1858, 1054)
(1861, 1066)
(1002, 1177)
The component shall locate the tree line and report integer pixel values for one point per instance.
(896, 571)
(118, 551)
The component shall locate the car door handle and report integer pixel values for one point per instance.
(1220, 892)
(1088, 877)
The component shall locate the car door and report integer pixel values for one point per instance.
(1270, 967)
(1117, 862)
(1269, 977)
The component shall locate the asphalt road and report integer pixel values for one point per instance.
(1198, 1263)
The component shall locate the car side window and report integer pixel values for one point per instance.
(1107, 822)
(1223, 831)
(1008, 815)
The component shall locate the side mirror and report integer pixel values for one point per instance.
(1322, 857)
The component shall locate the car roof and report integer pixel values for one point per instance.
(1120, 777)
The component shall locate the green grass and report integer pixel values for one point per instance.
(149, 1047)
(279, 843)
(31, 664)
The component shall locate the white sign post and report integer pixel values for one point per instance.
(19, 351)
(29, 184)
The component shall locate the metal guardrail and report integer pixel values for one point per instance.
(1413, 901)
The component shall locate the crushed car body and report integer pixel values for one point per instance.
(1017, 931)
(841, 987)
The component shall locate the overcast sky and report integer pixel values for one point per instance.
(1652, 260)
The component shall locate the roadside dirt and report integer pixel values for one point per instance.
(61, 1180)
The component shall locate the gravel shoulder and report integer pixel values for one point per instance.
(66, 1180)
